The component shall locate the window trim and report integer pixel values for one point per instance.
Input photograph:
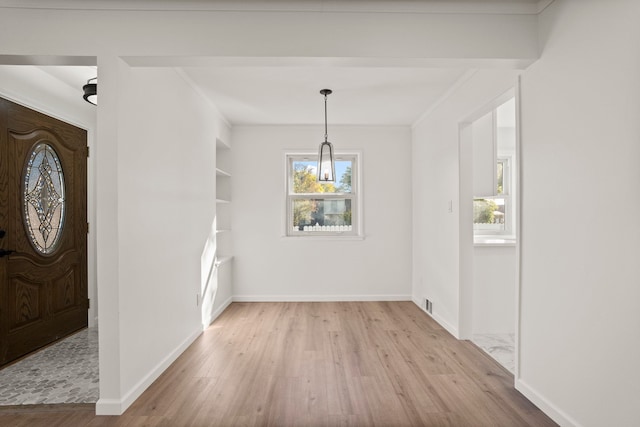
(356, 232)
(507, 181)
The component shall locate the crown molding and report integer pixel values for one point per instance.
(338, 6)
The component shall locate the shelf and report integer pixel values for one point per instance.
(222, 260)
(223, 208)
(480, 241)
(220, 144)
(221, 172)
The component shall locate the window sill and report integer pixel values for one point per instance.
(481, 241)
(335, 237)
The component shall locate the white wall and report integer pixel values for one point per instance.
(436, 184)
(165, 205)
(270, 267)
(484, 156)
(580, 321)
(494, 290)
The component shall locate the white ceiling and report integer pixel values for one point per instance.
(291, 95)
(74, 77)
(258, 94)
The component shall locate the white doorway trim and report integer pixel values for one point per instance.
(466, 238)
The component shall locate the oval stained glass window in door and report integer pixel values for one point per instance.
(43, 198)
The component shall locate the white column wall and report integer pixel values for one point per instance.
(580, 322)
(436, 246)
(107, 242)
(164, 206)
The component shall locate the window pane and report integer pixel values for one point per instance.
(489, 214)
(500, 189)
(43, 198)
(322, 214)
(343, 175)
(305, 179)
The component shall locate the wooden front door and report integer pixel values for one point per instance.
(43, 230)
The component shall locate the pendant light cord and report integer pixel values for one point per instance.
(325, 118)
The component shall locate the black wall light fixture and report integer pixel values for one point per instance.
(326, 163)
(91, 91)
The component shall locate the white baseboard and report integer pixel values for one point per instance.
(117, 407)
(218, 312)
(109, 407)
(545, 406)
(318, 298)
(445, 324)
(441, 320)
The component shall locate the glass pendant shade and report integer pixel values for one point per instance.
(326, 163)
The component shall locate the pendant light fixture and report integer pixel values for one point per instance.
(91, 91)
(326, 164)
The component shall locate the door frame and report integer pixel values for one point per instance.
(466, 239)
(92, 289)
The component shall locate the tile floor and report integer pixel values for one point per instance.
(66, 372)
(499, 346)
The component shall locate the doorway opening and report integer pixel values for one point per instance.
(489, 254)
(58, 362)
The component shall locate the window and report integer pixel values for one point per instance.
(322, 209)
(492, 214)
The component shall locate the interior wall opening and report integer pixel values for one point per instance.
(489, 257)
(65, 371)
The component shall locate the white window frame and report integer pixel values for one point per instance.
(506, 196)
(355, 196)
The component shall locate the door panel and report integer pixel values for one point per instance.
(64, 292)
(43, 283)
(27, 307)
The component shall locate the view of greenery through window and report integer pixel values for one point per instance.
(491, 210)
(488, 211)
(316, 210)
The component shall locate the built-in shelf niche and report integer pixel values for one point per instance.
(223, 201)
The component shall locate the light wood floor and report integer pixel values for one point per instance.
(320, 364)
